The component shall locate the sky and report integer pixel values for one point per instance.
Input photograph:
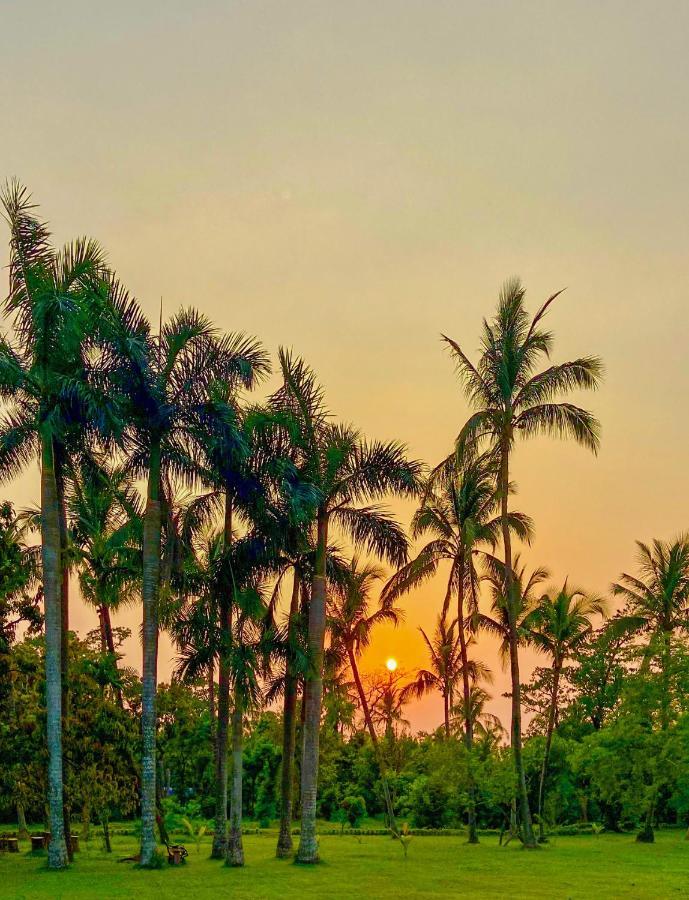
(352, 179)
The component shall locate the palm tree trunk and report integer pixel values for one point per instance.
(313, 696)
(446, 713)
(151, 584)
(52, 577)
(104, 614)
(64, 637)
(22, 830)
(211, 697)
(289, 726)
(219, 848)
(390, 809)
(466, 694)
(522, 794)
(557, 668)
(235, 848)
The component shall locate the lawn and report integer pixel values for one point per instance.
(370, 867)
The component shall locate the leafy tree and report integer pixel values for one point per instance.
(558, 626)
(657, 603)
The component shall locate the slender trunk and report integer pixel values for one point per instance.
(557, 668)
(390, 809)
(235, 848)
(106, 834)
(512, 602)
(101, 626)
(86, 821)
(466, 695)
(219, 848)
(289, 726)
(313, 696)
(104, 612)
(51, 555)
(211, 697)
(22, 830)
(446, 712)
(64, 630)
(151, 584)
(665, 668)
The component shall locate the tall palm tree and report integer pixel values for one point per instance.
(558, 626)
(348, 473)
(45, 380)
(459, 513)
(352, 623)
(166, 382)
(657, 604)
(510, 397)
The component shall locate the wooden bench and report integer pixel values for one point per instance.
(9, 843)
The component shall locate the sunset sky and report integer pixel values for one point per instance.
(350, 179)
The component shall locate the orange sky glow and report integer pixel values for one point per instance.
(349, 180)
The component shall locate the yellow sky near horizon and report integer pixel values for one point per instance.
(350, 180)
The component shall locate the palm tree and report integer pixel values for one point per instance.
(485, 724)
(509, 617)
(558, 626)
(447, 668)
(386, 697)
(657, 604)
(166, 382)
(347, 472)
(510, 397)
(351, 624)
(45, 380)
(248, 657)
(104, 512)
(458, 511)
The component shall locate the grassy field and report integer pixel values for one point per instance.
(370, 867)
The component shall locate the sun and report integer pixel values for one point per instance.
(391, 664)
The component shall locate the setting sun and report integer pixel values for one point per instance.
(391, 664)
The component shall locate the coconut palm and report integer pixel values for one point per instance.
(558, 626)
(459, 513)
(347, 472)
(45, 380)
(511, 398)
(509, 617)
(352, 622)
(657, 604)
(485, 724)
(446, 670)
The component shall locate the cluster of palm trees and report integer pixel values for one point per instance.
(103, 403)
(241, 496)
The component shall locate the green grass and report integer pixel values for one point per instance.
(373, 867)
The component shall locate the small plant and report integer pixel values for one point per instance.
(597, 828)
(405, 838)
(195, 832)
